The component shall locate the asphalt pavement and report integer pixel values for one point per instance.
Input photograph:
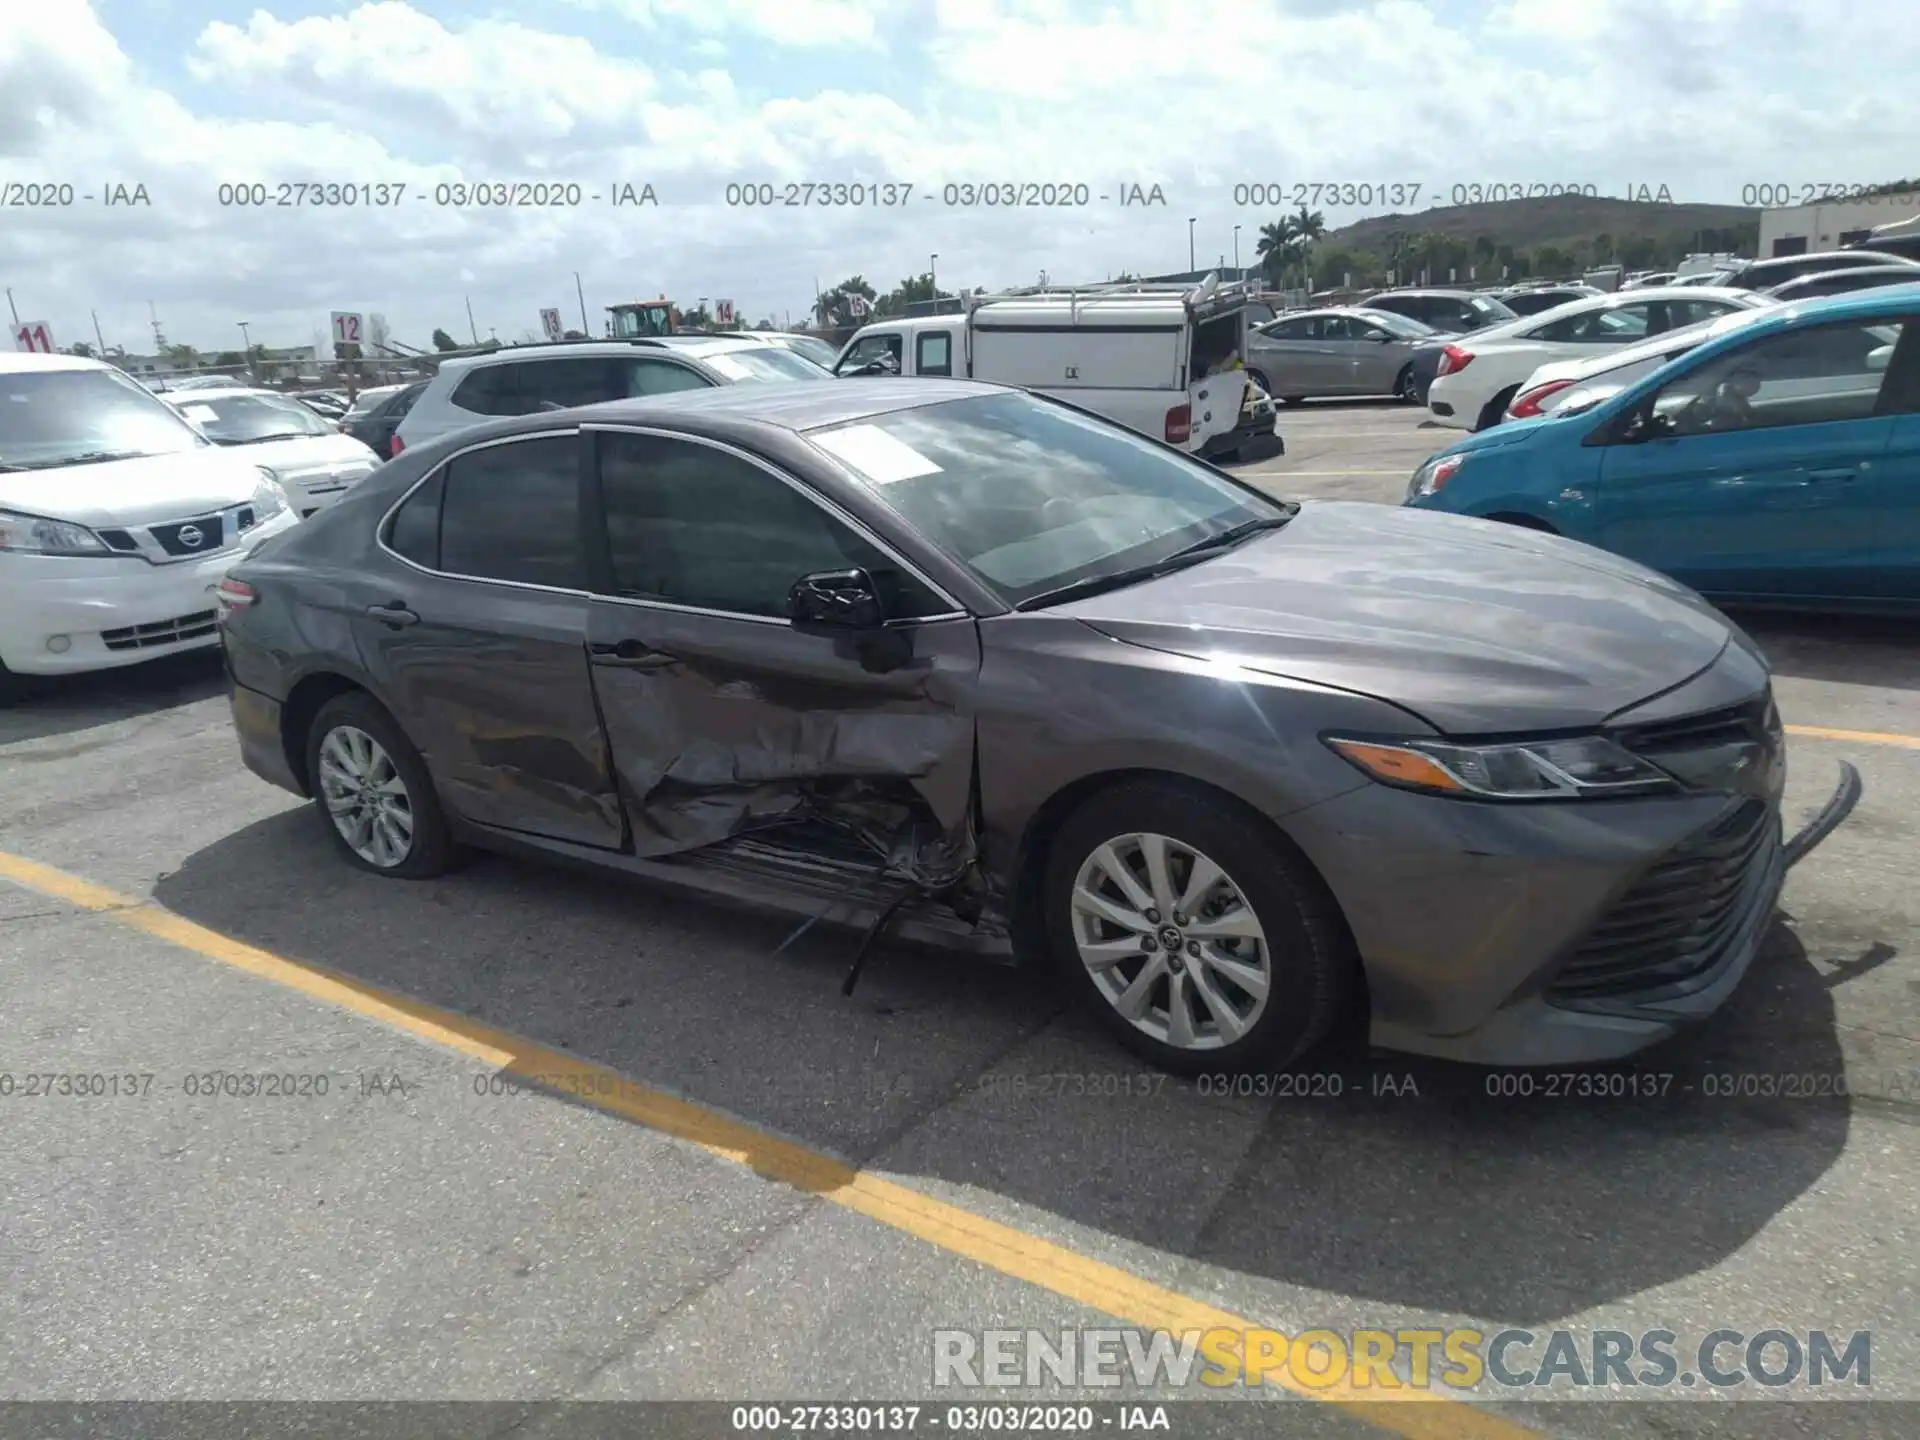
(524, 1135)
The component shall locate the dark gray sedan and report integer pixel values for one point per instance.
(959, 663)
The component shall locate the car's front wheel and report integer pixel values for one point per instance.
(372, 789)
(1191, 930)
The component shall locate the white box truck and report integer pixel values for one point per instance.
(1162, 359)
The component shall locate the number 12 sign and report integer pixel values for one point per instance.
(347, 328)
(34, 335)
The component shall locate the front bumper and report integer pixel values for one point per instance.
(112, 612)
(1478, 924)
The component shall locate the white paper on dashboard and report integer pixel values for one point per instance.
(876, 454)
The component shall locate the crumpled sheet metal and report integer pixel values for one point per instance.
(700, 765)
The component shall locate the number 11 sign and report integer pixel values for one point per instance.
(33, 335)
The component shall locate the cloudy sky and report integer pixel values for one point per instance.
(691, 96)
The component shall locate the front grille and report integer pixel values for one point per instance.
(162, 632)
(190, 537)
(1675, 923)
(1753, 721)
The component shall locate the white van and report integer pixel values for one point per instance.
(1147, 356)
(118, 520)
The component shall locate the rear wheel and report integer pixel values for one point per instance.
(372, 790)
(12, 686)
(1259, 378)
(1403, 386)
(1496, 409)
(1192, 932)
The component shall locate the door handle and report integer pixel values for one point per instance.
(629, 655)
(394, 614)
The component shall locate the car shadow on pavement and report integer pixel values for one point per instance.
(60, 705)
(1395, 1182)
(1838, 649)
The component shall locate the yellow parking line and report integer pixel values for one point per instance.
(1417, 1415)
(1858, 737)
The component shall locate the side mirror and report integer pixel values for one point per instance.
(838, 599)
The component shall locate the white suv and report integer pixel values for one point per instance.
(526, 379)
(118, 520)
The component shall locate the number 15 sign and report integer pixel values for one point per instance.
(34, 335)
(347, 328)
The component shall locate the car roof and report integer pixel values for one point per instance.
(1427, 290)
(14, 361)
(225, 392)
(1850, 273)
(796, 405)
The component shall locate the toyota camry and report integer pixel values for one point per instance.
(961, 664)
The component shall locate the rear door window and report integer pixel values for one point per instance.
(661, 377)
(512, 512)
(933, 353)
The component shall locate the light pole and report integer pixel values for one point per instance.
(1236, 254)
(705, 322)
(1190, 260)
(246, 347)
(933, 282)
(585, 329)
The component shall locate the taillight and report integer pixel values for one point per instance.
(1179, 424)
(234, 595)
(397, 446)
(1526, 406)
(1453, 360)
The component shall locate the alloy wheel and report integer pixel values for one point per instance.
(365, 797)
(1170, 941)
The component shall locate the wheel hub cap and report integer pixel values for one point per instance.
(365, 797)
(1198, 981)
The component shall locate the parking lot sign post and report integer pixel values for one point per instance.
(33, 335)
(550, 322)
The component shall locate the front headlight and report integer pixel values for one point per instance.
(1433, 474)
(34, 535)
(1584, 766)
(269, 498)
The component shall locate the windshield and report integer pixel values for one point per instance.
(814, 348)
(65, 417)
(251, 419)
(756, 364)
(1035, 496)
(370, 400)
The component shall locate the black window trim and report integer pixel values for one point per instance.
(385, 527)
(600, 559)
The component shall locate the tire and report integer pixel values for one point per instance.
(1403, 386)
(354, 732)
(1259, 378)
(1301, 950)
(12, 686)
(1495, 409)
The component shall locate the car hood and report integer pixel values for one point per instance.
(303, 454)
(151, 489)
(1474, 626)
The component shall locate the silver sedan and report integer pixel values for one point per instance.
(1344, 350)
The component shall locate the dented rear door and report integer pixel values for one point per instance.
(720, 716)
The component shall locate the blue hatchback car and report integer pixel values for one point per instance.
(1778, 464)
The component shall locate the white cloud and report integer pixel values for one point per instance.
(1194, 95)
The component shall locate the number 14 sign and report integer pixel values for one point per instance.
(33, 335)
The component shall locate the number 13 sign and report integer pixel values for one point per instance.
(34, 335)
(346, 328)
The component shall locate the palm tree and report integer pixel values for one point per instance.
(1277, 248)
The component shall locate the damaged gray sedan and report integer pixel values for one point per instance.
(964, 665)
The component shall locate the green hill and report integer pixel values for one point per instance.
(1556, 236)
